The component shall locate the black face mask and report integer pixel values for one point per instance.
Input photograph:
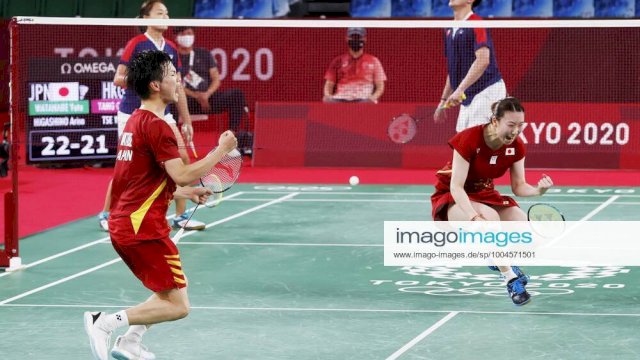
(356, 45)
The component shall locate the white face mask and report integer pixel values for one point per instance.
(186, 40)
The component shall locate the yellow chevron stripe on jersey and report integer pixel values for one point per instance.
(176, 271)
(174, 263)
(138, 215)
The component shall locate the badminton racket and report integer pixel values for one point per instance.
(219, 179)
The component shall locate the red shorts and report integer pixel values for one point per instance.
(155, 262)
(441, 200)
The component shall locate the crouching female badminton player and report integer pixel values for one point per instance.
(465, 189)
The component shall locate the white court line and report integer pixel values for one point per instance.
(599, 208)
(423, 335)
(248, 211)
(59, 281)
(347, 200)
(87, 245)
(429, 193)
(354, 310)
(424, 201)
(118, 259)
(583, 219)
(105, 239)
(277, 244)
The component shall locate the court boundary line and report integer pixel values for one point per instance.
(113, 261)
(422, 335)
(356, 310)
(277, 244)
(424, 201)
(231, 196)
(593, 212)
(585, 218)
(547, 195)
(90, 244)
(60, 281)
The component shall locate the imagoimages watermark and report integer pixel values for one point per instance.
(543, 243)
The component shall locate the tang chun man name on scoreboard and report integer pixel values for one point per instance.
(71, 107)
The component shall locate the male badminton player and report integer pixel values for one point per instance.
(465, 189)
(148, 168)
(472, 70)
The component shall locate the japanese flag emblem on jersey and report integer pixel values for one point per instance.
(510, 151)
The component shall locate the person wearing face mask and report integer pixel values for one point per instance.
(355, 76)
(202, 86)
(153, 39)
(465, 189)
(473, 79)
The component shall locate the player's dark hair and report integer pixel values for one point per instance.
(145, 10)
(144, 68)
(476, 3)
(507, 104)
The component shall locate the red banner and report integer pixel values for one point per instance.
(557, 135)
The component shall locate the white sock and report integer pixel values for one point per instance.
(135, 332)
(508, 275)
(117, 320)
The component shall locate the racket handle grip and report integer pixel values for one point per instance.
(193, 149)
(446, 104)
(177, 236)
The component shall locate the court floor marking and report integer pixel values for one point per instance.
(547, 195)
(278, 244)
(575, 225)
(245, 212)
(231, 196)
(43, 287)
(90, 244)
(422, 335)
(113, 261)
(425, 201)
(354, 310)
(599, 208)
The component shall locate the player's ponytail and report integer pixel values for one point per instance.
(512, 104)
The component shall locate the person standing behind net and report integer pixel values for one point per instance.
(153, 39)
(147, 170)
(472, 70)
(202, 85)
(465, 189)
(355, 76)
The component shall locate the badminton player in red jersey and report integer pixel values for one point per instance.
(147, 176)
(465, 190)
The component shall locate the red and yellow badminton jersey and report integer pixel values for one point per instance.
(485, 165)
(141, 188)
(355, 78)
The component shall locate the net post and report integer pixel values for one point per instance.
(11, 257)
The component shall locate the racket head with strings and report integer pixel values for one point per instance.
(214, 183)
(539, 216)
(402, 128)
(222, 176)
